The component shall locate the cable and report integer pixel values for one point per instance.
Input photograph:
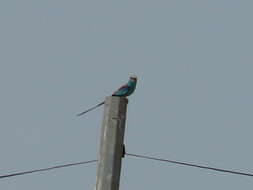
(45, 169)
(133, 155)
(192, 165)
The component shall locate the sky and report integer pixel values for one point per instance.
(193, 102)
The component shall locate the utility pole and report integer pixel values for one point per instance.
(111, 143)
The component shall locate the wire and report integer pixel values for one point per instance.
(133, 155)
(189, 164)
(45, 169)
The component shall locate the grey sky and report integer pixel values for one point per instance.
(193, 101)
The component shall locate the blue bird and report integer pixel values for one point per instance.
(123, 91)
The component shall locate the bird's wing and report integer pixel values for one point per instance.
(122, 88)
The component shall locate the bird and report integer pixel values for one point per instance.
(124, 91)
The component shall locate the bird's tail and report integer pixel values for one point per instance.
(92, 108)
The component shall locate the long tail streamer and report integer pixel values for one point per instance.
(92, 108)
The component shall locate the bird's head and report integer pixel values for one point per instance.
(133, 77)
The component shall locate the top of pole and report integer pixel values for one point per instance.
(111, 143)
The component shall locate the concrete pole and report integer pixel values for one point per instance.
(111, 143)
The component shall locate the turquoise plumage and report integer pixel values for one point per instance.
(127, 89)
(123, 91)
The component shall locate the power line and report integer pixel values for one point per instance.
(189, 164)
(133, 155)
(45, 169)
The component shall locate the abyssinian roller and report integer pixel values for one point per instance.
(123, 91)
